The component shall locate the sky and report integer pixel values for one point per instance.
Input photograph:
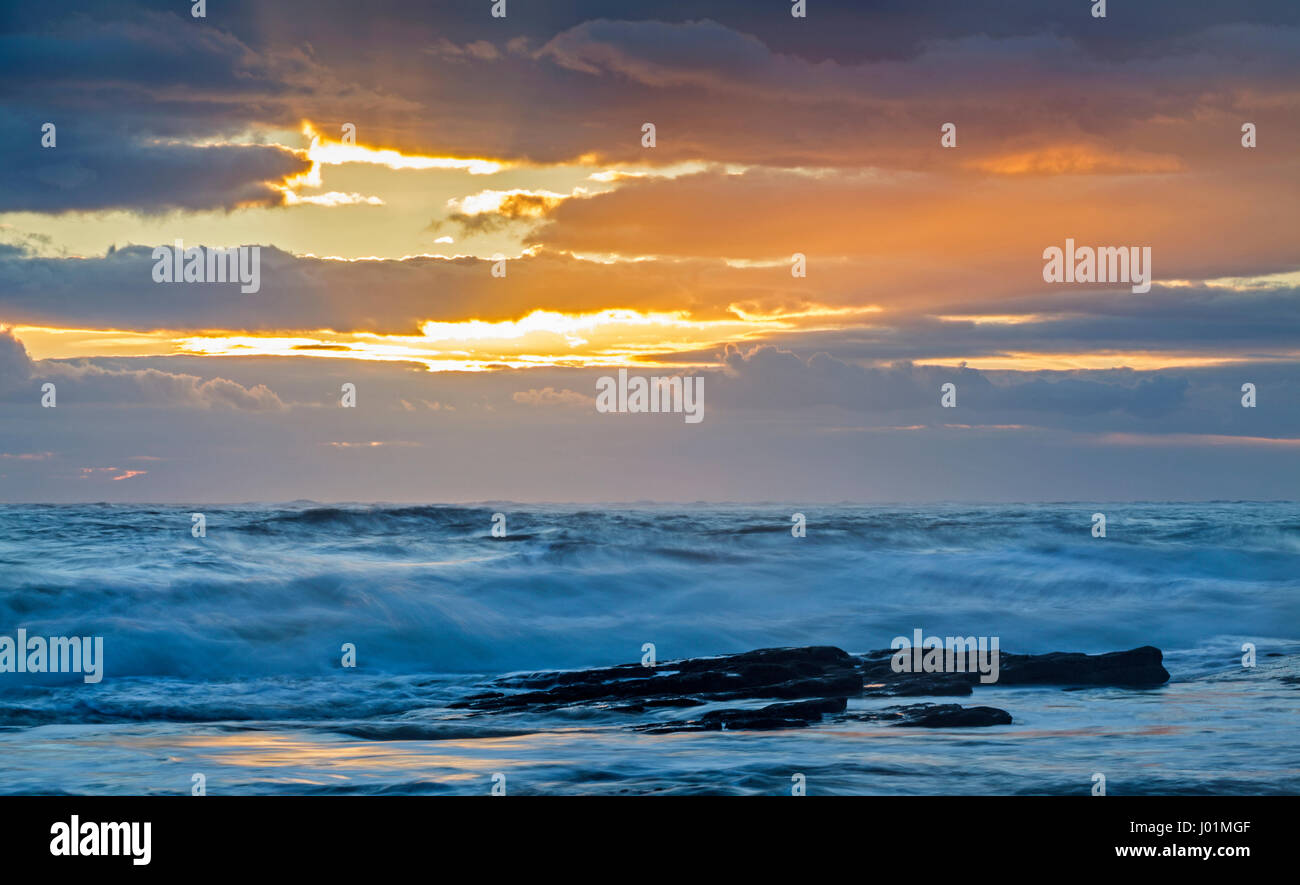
(463, 216)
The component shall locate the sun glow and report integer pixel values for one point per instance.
(1074, 159)
(605, 338)
(326, 152)
(322, 151)
(542, 338)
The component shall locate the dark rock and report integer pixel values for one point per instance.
(1139, 667)
(786, 673)
(953, 716)
(658, 702)
(816, 681)
(1136, 667)
(920, 685)
(937, 716)
(880, 680)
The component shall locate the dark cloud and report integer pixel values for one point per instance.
(843, 30)
(301, 294)
(1200, 319)
(771, 378)
(848, 86)
(135, 99)
(97, 170)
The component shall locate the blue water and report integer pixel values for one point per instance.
(222, 654)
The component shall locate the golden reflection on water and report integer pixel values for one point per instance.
(336, 759)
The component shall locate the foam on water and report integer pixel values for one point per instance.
(426, 589)
(242, 630)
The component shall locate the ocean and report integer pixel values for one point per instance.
(223, 655)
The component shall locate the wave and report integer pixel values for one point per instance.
(427, 589)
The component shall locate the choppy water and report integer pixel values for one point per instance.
(222, 654)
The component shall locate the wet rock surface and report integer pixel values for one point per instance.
(810, 684)
(1135, 668)
(936, 716)
(790, 715)
(1138, 667)
(818, 671)
(804, 713)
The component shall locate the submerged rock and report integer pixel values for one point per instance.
(794, 715)
(804, 713)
